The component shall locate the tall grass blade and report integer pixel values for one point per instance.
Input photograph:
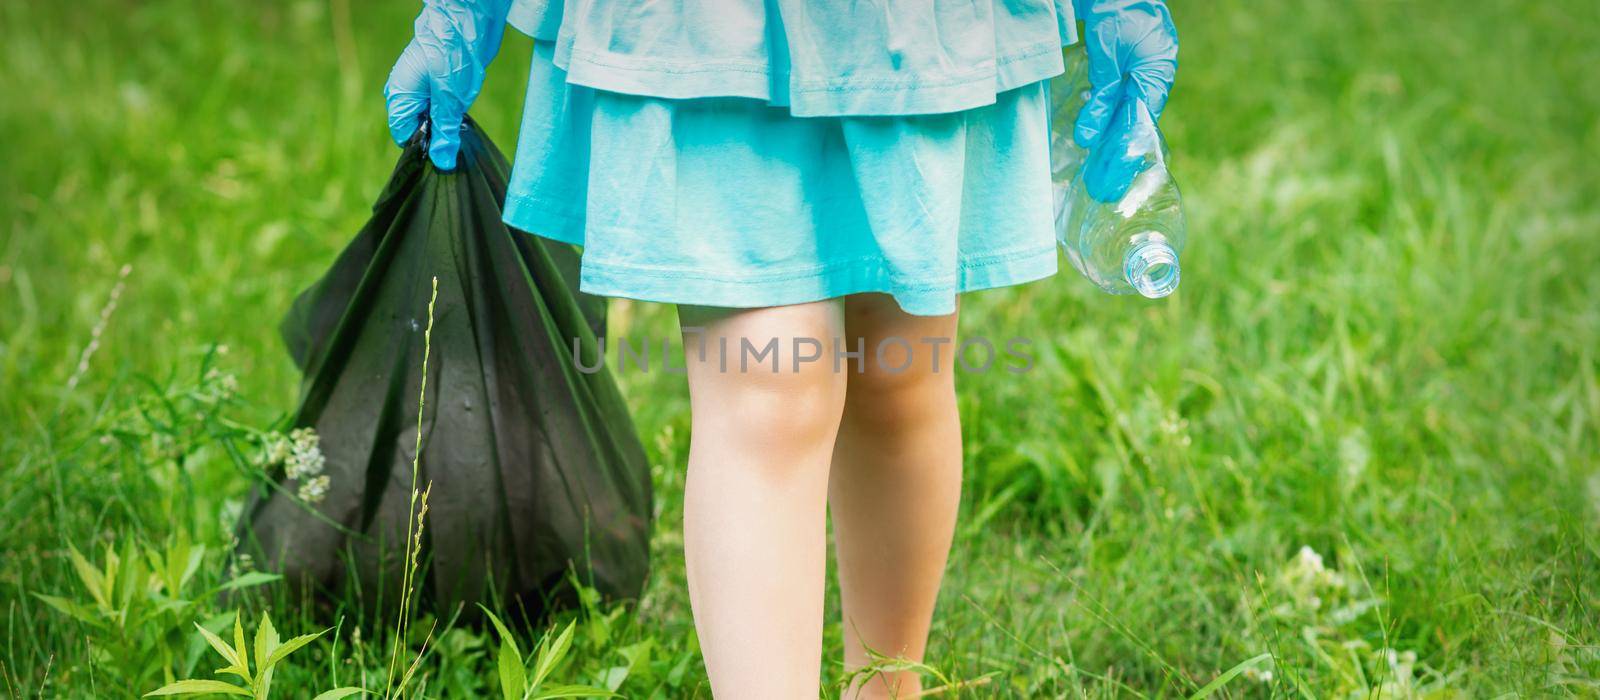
(199, 687)
(1228, 675)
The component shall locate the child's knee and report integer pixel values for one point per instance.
(894, 400)
(793, 409)
(794, 403)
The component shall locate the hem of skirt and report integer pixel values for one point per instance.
(856, 96)
(853, 277)
(533, 214)
(837, 279)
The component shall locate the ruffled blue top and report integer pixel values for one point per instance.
(816, 57)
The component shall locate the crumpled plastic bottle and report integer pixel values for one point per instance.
(1129, 246)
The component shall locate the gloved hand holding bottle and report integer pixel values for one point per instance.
(441, 71)
(1133, 58)
(1129, 245)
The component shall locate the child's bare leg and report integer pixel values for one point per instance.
(895, 487)
(756, 493)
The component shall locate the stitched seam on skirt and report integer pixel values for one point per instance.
(661, 65)
(829, 85)
(1044, 48)
(874, 260)
(959, 79)
(548, 206)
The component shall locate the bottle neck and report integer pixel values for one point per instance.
(1151, 267)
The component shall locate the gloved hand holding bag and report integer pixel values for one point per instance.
(441, 71)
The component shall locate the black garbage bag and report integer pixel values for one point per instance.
(534, 466)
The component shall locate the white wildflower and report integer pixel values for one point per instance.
(1308, 569)
(1400, 660)
(1308, 578)
(1354, 454)
(313, 490)
(1307, 563)
(274, 449)
(1402, 674)
(219, 384)
(1177, 427)
(304, 438)
(305, 454)
(1173, 424)
(241, 564)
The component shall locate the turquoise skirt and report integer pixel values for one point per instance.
(733, 202)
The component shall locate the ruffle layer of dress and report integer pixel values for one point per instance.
(816, 57)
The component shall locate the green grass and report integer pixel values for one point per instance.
(1384, 350)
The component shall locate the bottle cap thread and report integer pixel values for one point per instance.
(1152, 268)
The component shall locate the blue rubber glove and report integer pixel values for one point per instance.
(1133, 57)
(441, 71)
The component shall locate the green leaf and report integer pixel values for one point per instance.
(675, 676)
(1228, 675)
(613, 677)
(240, 651)
(292, 646)
(266, 643)
(196, 555)
(574, 691)
(513, 678)
(228, 654)
(132, 580)
(253, 578)
(165, 605)
(551, 655)
(198, 688)
(109, 571)
(637, 654)
(158, 564)
(90, 576)
(77, 611)
(338, 693)
(198, 644)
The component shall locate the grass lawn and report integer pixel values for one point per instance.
(1360, 447)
